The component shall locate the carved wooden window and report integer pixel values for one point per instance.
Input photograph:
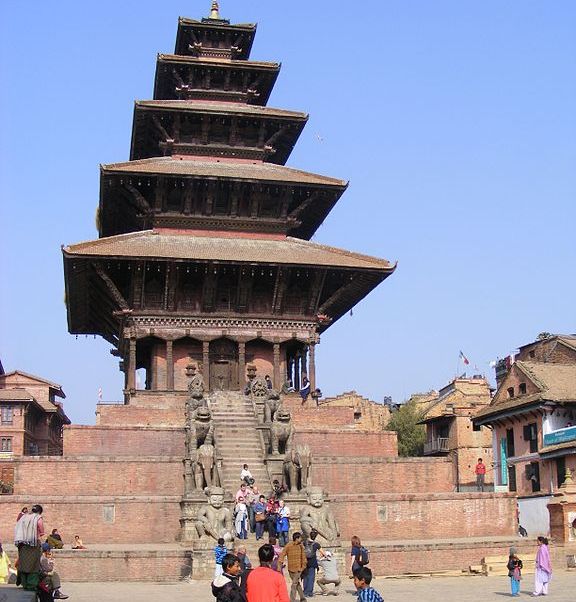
(221, 204)
(190, 291)
(226, 293)
(174, 197)
(6, 444)
(262, 291)
(154, 288)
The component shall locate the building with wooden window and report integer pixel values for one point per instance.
(31, 418)
(450, 430)
(533, 418)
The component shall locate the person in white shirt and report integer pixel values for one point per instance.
(246, 475)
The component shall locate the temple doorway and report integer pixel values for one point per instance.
(223, 365)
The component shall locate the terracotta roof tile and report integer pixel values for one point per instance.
(219, 107)
(222, 169)
(293, 251)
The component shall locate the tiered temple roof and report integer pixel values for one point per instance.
(205, 220)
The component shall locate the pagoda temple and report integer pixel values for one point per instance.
(204, 253)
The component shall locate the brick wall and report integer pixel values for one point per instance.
(99, 519)
(107, 476)
(348, 443)
(123, 441)
(370, 475)
(442, 516)
(128, 415)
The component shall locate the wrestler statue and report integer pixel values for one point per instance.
(317, 515)
(213, 519)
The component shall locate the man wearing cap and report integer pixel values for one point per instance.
(329, 567)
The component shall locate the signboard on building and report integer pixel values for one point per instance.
(560, 436)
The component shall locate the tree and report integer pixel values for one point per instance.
(411, 435)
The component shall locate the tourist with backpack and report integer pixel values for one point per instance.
(311, 549)
(359, 555)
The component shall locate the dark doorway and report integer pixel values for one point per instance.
(223, 365)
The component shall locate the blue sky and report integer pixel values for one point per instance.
(454, 122)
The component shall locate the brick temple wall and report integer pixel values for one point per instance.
(418, 516)
(123, 441)
(383, 475)
(342, 443)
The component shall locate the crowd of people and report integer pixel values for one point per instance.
(34, 568)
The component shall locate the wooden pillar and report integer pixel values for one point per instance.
(304, 366)
(297, 371)
(206, 363)
(276, 377)
(312, 366)
(242, 364)
(132, 365)
(169, 365)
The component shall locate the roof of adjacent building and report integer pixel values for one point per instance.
(220, 107)
(567, 339)
(222, 169)
(15, 395)
(51, 384)
(178, 246)
(556, 383)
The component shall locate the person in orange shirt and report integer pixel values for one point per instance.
(264, 584)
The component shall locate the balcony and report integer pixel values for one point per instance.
(436, 446)
(562, 435)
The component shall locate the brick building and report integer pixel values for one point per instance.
(450, 430)
(31, 418)
(533, 417)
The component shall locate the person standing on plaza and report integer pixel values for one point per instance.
(358, 555)
(264, 584)
(226, 587)
(283, 522)
(362, 580)
(311, 549)
(250, 500)
(514, 571)
(329, 567)
(543, 568)
(480, 472)
(295, 556)
(28, 538)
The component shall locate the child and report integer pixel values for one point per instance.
(362, 579)
(514, 571)
(219, 552)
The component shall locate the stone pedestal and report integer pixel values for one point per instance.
(275, 465)
(188, 514)
(562, 509)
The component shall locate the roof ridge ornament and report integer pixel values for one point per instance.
(215, 11)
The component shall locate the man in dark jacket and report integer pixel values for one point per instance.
(227, 587)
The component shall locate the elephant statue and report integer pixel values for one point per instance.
(297, 468)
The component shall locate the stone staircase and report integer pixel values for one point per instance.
(237, 439)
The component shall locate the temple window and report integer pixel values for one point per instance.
(510, 392)
(6, 444)
(522, 389)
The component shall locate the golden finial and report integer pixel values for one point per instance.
(214, 11)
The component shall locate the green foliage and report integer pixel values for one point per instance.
(411, 436)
